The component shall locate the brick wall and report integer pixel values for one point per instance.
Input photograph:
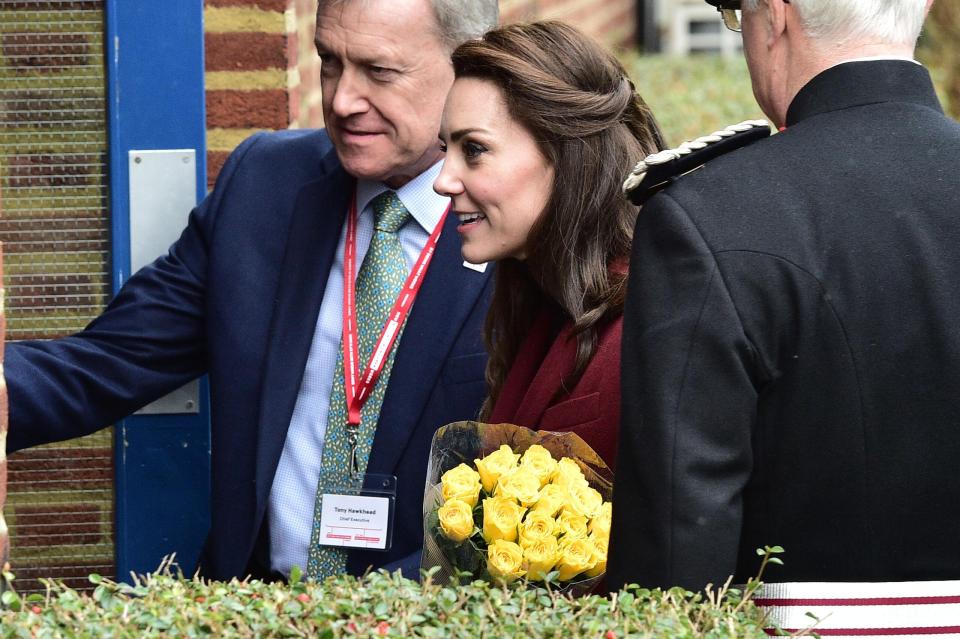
(263, 71)
(246, 73)
(305, 107)
(55, 232)
(4, 540)
(612, 22)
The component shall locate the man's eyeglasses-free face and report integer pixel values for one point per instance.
(729, 12)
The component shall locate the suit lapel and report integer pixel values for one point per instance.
(447, 296)
(314, 232)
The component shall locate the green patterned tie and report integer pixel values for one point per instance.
(379, 282)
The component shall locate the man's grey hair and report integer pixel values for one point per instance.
(458, 20)
(462, 20)
(841, 22)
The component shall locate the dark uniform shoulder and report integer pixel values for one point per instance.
(657, 171)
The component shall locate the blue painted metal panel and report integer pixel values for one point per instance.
(156, 101)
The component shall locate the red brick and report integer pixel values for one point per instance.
(615, 22)
(60, 469)
(53, 5)
(245, 51)
(266, 5)
(77, 285)
(215, 162)
(4, 541)
(25, 51)
(315, 113)
(247, 109)
(59, 524)
(292, 51)
(42, 241)
(73, 576)
(54, 170)
(590, 13)
(40, 109)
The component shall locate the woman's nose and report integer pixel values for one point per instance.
(447, 183)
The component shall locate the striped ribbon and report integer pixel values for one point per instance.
(885, 609)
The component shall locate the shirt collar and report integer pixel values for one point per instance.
(878, 57)
(426, 206)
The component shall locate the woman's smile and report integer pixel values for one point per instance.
(468, 220)
(496, 175)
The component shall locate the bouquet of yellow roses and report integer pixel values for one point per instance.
(506, 503)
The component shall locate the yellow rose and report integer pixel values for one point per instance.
(576, 556)
(456, 520)
(600, 524)
(583, 500)
(599, 555)
(503, 460)
(501, 516)
(540, 462)
(461, 482)
(540, 557)
(571, 525)
(505, 560)
(568, 473)
(521, 485)
(552, 498)
(536, 526)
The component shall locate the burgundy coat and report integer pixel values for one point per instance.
(591, 409)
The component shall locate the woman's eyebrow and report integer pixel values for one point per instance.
(459, 133)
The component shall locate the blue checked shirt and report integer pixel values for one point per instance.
(294, 489)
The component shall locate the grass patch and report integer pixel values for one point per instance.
(692, 96)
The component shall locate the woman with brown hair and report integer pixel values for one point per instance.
(540, 128)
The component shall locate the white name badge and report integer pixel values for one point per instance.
(355, 521)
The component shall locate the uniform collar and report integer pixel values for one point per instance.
(861, 82)
(424, 204)
(874, 58)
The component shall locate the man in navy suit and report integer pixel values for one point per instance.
(252, 295)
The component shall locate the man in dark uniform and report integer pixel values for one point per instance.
(791, 348)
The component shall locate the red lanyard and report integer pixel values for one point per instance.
(358, 387)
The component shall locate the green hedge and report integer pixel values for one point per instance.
(379, 605)
(692, 96)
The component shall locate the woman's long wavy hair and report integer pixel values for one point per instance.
(578, 103)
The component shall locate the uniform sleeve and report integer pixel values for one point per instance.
(688, 407)
(149, 341)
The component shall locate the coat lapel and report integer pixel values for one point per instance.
(448, 294)
(312, 241)
(547, 383)
(536, 376)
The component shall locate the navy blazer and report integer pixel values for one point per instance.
(237, 297)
